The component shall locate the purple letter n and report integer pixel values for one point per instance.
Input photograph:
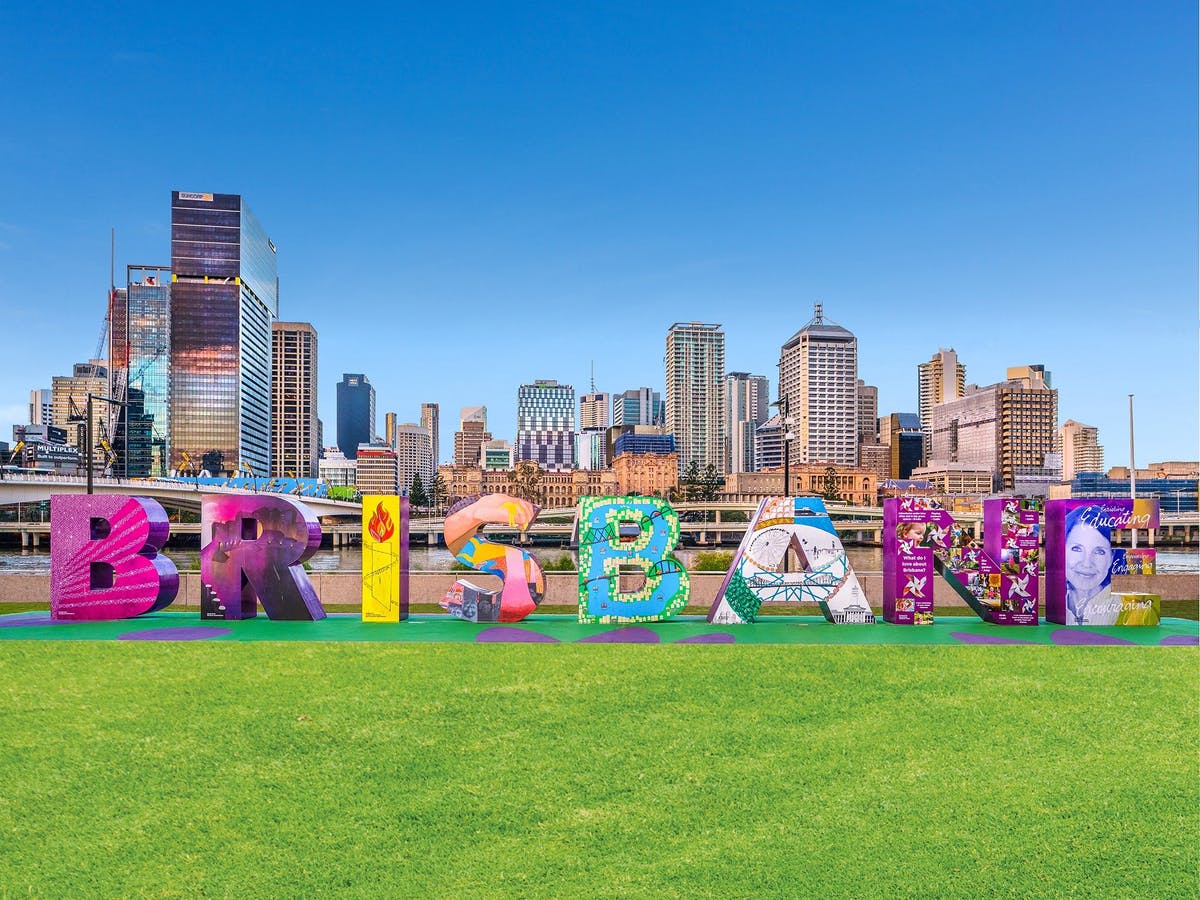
(252, 548)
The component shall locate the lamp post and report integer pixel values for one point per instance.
(1132, 474)
(786, 436)
(88, 449)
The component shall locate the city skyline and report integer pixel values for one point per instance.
(1023, 211)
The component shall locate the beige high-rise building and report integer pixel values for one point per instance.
(940, 380)
(414, 456)
(818, 386)
(471, 436)
(431, 419)
(68, 402)
(390, 421)
(696, 393)
(868, 412)
(376, 470)
(1007, 428)
(1080, 448)
(295, 437)
(593, 411)
(747, 406)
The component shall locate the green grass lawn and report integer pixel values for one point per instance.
(304, 769)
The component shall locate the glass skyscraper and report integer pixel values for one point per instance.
(355, 413)
(140, 368)
(224, 296)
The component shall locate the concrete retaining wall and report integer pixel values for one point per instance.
(562, 588)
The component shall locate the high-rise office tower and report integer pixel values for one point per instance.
(472, 434)
(1080, 447)
(940, 380)
(640, 406)
(41, 407)
(414, 455)
(430, 420)
(868, 412)
(818, 384)
(224, 296)
(355, 413)
(376, 470)
(696, 393)
(747, 400)
(900, 434)
(390, 420)
(546, 424)
(589, 449)
(139, 354)
(295, 434)
(68, 402)
(593, 411)
(1007, 428)
(768, 444)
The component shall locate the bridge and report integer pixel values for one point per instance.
(24, 488)
(700, 523)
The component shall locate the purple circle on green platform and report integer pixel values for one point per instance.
(1071, 637)
(717, 637)
(1180, 640)
(182, 633)
(631, 634)
(968, 638)
(505, 634)
(39, 619)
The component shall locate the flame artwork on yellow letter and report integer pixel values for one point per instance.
(384, 558)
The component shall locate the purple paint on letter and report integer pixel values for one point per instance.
(104, 561)
(252, 548)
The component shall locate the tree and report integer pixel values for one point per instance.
(711, 483)
(525, 481)
(708, 486)
(437, 492)
(830, 489)
(416, 494)
(689, 484)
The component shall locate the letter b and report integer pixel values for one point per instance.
(104, 561)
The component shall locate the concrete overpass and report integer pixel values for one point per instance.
(704, 524)
(181, 494)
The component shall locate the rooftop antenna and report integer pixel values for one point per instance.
(593, 376)
(817, 313)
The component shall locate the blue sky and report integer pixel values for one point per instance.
(466, 198)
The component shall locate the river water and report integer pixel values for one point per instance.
(438, 559)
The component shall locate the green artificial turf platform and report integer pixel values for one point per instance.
(183, 626)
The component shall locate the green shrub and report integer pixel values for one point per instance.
(563, 564)
(712, 561)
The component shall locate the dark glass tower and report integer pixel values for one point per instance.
(224, 296)
(355, 414)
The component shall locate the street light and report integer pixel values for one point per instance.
(87, 435)
(785, 424)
